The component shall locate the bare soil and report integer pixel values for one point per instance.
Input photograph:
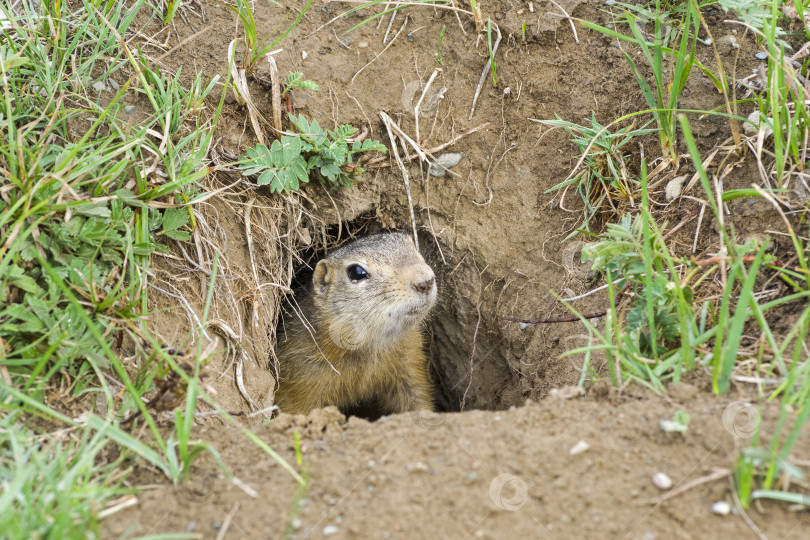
(496, 239)
(477, 474)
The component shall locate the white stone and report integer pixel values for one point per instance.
(578, 448)
(674, 187)
(721, 508)
(662, 481)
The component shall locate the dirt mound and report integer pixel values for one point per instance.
(520, 473)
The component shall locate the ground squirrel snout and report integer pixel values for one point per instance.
(361, 347)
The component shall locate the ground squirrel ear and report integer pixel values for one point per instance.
(321, 278)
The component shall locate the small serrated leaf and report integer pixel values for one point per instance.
(330, 170)
(182, 236)
(266, 177)
(299, 167)
(292, 148)
(174, 218)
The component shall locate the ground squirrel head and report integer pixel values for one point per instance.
(373, 289)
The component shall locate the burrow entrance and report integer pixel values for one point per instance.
(477, 359)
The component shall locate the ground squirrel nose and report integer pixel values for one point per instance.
(424, 287)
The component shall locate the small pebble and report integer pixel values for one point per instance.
(730, 39)
(446, 161)
(362, 45)
(674, 188)
(329, 530)
(578, 448)
(296, 523)
(304, 55)
(417, 467)
(761, 56)
(708, 41)
(610, 2)
(721, 508)
(662, 481)
(129, 108)
(99, 86)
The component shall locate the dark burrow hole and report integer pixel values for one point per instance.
(447, 394)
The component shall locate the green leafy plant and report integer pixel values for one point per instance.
(760, 14)
(652, 322)
(296, 80)
(657, 336)
(291, 159)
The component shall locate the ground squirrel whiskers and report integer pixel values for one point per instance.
(361, 348)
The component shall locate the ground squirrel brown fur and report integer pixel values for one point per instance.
(361, 348)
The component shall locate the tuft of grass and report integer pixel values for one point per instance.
(662, 98)
(658, 336)
(783, 116)
(757, 465)
(55, 486)
(439, 47)
(494, 67)
(254, 48)
(604, 176)
(91, 188)
(667, 328)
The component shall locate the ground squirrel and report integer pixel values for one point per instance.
(361, 348)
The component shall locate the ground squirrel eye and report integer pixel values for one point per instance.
(356, 272)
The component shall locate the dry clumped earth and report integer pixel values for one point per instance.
(520, 460)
